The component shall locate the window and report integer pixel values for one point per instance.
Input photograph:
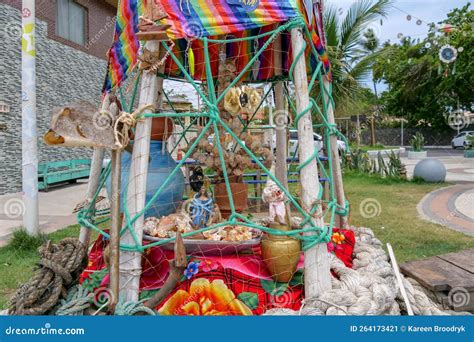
(71, 21)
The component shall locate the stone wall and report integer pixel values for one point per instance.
(64, 75)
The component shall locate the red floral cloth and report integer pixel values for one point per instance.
(243, 277)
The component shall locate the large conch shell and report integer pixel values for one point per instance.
(81, 125)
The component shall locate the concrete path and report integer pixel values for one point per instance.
(451, 206)
(55, 209)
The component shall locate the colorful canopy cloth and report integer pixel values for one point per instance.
(124, 51)
(230, 284)
(191, 20)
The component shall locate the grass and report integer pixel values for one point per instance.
(396, 221)
(18, 259)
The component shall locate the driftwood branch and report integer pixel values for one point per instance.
(177, 267)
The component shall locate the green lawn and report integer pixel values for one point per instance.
(397, 222)
(16, 265)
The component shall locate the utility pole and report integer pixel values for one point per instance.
(29, 140)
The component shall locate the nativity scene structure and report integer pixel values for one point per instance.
(182, 236)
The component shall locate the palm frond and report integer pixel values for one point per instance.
(359, 15)
(331, 25)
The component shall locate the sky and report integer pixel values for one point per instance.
(396, 23)
(427, 11)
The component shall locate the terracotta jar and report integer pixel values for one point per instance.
(159, 129)
(239, 194)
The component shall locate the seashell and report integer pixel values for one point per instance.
(232, 102)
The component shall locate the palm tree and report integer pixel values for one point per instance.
(351, 62)
(371, 44)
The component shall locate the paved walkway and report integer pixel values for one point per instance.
(451, 206)
(458, 168)
(55, 209)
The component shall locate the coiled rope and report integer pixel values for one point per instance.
(369, 288)
(60, 266)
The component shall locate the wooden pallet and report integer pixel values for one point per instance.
(449, 276)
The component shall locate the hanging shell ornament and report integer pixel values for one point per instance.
(232, 100)
(252, 100)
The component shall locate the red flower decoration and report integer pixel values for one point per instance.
(207, 265)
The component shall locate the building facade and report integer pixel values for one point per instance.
(72, 38)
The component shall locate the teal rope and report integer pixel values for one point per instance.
(322, 234)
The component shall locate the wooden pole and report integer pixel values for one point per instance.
(114, 244)
(130, 262)
(316, 261)
(358, 130)
(372, 130)
(336, 162)
(29, 139)
(281, 122)
(94, 177)
(403, 291)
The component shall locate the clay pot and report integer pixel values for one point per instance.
(281, 255)
(239, 195)
(158, 128)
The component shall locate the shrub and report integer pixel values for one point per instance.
(23, 241)
(417, 142)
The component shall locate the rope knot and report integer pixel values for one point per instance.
(124, 123)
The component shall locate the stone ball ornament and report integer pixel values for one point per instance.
(430, 170)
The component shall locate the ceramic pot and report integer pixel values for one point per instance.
(239, 195)
(159, 127)
(417, 155)
(160, 168)
(281, 255)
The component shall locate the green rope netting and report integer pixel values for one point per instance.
(309, 233)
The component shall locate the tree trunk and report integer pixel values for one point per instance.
(94, 177)
(281, 121)
(316, 262)
(341, 221)
(130, 262)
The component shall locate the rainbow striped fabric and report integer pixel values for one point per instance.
(124, 51)
(190, 19)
